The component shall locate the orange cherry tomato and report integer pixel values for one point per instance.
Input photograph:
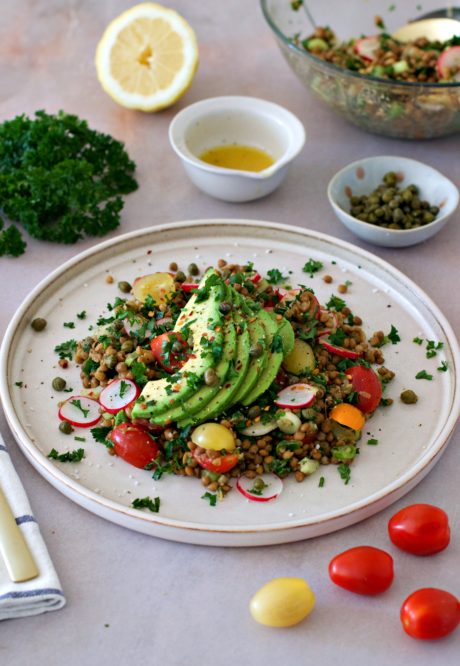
(348, 415)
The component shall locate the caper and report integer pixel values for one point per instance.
(409, 397)
(259, 484)
(180, 276)
(407, 195)
(254, 412)
(38, 324)
(225, 307)
(210, 377)
(127, 346)
(397, 215)
(256, 350)
(124, 286)
(427, 217)
(387, 196)
(58, 384)
(110, 361)
(193, 269)
(390, 178)
(65, 427)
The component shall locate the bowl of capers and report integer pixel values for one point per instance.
(392, 201)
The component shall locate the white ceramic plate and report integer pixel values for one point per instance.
(411, 437)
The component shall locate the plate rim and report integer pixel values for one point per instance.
(368, 506)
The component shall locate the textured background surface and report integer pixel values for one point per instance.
(174, 604)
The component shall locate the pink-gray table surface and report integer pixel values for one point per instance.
(137, 599)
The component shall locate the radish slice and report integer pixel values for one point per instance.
(270, 491)
(296, 396)
(118, 395)
(188, 286)
(134, 325)
(259, 429)
(80, 411)
(448, 64)
(332, 322)
(335, 349)
(367, 47)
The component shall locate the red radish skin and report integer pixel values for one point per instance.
(367, 47)
(188, 286)
(296, 396)
(111, 400)
(334, 349)
(273, 489)
(69, 412)
(448, 64)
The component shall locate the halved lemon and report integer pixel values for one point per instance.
(147, 57)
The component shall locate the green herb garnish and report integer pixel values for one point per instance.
(147, 503)
(78, 405)
(275, 276)
(210, 497)
(11, 241)
(69, 456)
(81, 315)
(443, 367)
(322, 481)
(345, 473)
(423, 374)
(417, 340)
(372, 442)
(100, 435)
(336, 303)
(69, 324)
(66, 349)
(312, 266)
(60, 179)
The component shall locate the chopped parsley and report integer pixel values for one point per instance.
(417, 340)
(312, 266)
(275, 276)
(432, 348)
(336, 303)
(69, 324)
(100, 435)
(393, 335)
(66, 349)
(20, 384)
(89, 366)
(337, 337)
(277, 344)
(210, 497)
(423, 374)
(443, 367)
(78, 405)
(139, 370)
(81, 315)
(345, 473)
(322, 481)
(124, 387)
(372, 442)
(80, 439)
(147, 503)
(70, 456)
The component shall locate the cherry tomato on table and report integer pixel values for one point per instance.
(368, 387)
(430, 613)
(219, 464)
(170, 350)
(420, 529)
(363, 570)
(134, 444)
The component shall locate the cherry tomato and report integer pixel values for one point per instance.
(368, 387)
(219, 464)
(421, 529)
(134, 444)
(430, 613)
(164, 350)
(363, 570)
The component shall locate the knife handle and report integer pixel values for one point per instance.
(15, 551)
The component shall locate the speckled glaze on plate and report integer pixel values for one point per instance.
(411, 438)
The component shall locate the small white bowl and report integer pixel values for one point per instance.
(364, 176)
(236, 120)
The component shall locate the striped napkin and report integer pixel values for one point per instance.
(44, 592)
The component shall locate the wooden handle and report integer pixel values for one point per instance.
(16, 554)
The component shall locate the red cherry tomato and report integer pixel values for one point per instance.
(421, 529)
(134, 444)
(368, 387)
(219, 464)
(430, 613)
(163, 353)
(363, 570)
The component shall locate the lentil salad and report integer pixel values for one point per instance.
(331, 355)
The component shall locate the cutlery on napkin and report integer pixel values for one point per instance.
(39, 590)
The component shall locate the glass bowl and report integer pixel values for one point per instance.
(392, 108)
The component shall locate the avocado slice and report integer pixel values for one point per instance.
(186, 410)
(236, 376)
(275, 351)
(202, 310)
(256, 364)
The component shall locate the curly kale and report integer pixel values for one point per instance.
(60, 179)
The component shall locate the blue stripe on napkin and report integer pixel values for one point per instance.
(3, 448)
(25, 519)
(32, 593)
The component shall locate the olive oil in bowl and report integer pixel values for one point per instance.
(237, 156)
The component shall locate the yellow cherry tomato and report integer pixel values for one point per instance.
(213, 436)
(348, 415)
(301, 359)
(157, 285)
(282, 602)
